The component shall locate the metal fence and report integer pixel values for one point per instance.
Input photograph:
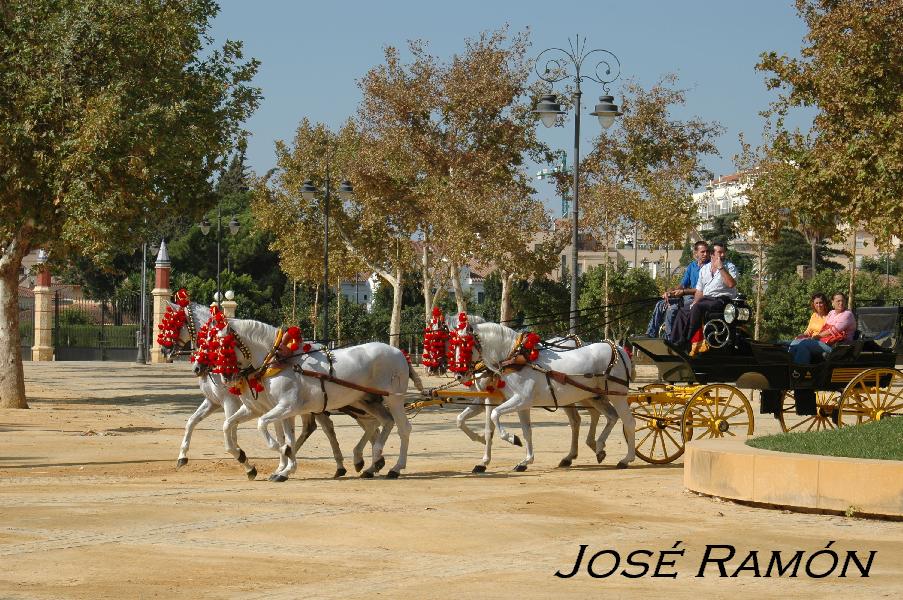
(96, 329)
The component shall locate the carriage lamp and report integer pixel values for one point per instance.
(730, 312)
(205, 226)
(234, 225)
(606, 111)
(743, 314)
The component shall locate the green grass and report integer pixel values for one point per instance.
(879, 439)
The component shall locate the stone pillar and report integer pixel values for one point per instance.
(229, 304)
(43, 318)
(161, 294)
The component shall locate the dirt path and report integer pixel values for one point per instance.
(91, 506)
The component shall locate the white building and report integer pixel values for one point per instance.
(722, 196)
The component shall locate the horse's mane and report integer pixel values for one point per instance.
(496, 342)
(257, 336)
(452, 320)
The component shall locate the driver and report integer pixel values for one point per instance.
(717, 284)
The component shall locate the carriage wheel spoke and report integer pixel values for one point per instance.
(737, 411)
(800, 424)
(672, 438)
(643, 441)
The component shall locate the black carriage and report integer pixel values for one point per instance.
(699, 395)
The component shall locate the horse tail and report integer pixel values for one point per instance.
(629, 367)
(413, 376)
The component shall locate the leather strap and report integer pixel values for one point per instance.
(323, 377)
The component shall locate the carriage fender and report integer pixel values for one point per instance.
(753, 380)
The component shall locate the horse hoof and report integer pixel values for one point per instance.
(252, 474)
(340, 472)
(520, 468)
(517, 441)
(600, 457)
(358, 466)
(565, 463)
(378, 465)
(280, 478)
(392, 475)
(622, 465)
(479, 469)
(181, 463)
(368, 474)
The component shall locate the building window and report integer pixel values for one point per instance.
(480, 297)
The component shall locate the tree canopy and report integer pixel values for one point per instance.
(113, 116)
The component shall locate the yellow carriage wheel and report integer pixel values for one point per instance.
(716, 411)
(871, 396)
(658, 438)
(827, 406)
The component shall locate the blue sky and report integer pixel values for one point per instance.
(313, 53)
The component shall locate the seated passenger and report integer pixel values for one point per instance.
(673, 299)
(717, 284)
(819, 304)
(840, 325)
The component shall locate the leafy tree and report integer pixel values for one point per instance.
(113, 115)
(644, 170)
(631, 294)
(791, 250)
(724, 228)
(850, 161)
(541, 305)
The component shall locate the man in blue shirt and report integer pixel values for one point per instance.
(666, 308)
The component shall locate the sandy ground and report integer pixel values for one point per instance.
(91, 506)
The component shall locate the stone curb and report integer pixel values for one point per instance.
(731, 469)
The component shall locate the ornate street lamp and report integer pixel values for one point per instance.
(309, 192)
(562, 64)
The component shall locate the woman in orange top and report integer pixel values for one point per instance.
(819, 303)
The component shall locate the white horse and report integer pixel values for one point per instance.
(217, 396)
(320, 382)
(609, 370)
(480, 383)
(596, 444)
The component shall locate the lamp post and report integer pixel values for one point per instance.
(142, 306)
(205, 226)
(563, 64)
(309, 192)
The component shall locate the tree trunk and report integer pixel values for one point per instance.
(460, 300)
(12, 379)
(395, 322)
(427, 282)
(315, 317)
(812, 244)
(852, 271)
(506, 309)
(759, 281)
(605, 291)
(338, 311)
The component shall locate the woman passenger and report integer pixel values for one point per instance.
(840, 325)
(819, 304)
